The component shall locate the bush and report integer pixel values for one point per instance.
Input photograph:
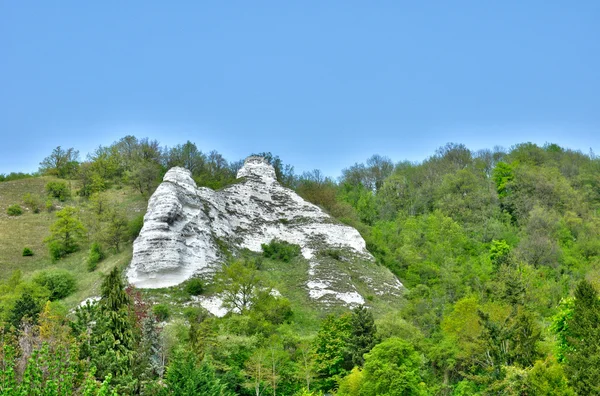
(135, 226)
(14, 210)
(58, 190)
(27, 252)
(59, 283)
(95, 256)
(194, 287)
(280, 250)
(49, 205)
(33, 202)
(161, 311)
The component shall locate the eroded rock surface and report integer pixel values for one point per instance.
(185, 225)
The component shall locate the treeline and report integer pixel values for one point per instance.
(499, 251)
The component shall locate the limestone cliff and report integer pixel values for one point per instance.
(185, 226)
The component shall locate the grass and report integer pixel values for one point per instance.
(30, 230)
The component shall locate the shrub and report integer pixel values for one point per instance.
(27, 252)
(280, 250)
(95, 256)
(59, 283)
(194, 287)
(33, 202)
(135, 226)
(161, 311)
(50, 205)
(58, 190)
(14, 210)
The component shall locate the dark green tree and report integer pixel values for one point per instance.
(583, 335)
(113, 338)
(25, 307)
(363, 336)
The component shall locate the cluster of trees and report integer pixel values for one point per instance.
(499, 251)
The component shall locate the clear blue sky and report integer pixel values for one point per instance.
(323, 84)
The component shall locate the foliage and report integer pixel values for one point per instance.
(194, 287)
(60, 283)
(95, 256)
(161, 311)
(186, 377)
(65, 233)
(393, 368)
(583, 336)
(27, 252)
(14, 210)
(332, 361)
(280, 250)
(14, 176)
(239, 283)
(59, 190)
(113, 335)
(363, 335)
(61, 163)
(135, 226)
(33, 202)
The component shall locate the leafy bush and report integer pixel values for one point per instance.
(27, 252)
(95, 256)
(280, 250)
(194, 287)
(58, 190)
(161, 311)
(14, 210)
(135, 226)
(59, 283)
(33, 202)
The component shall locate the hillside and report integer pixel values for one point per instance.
(31, 229)
(499, 251)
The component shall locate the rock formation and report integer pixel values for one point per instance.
(185, 228)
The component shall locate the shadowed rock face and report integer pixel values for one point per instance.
(184, 226)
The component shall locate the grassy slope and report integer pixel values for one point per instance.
(30, 230)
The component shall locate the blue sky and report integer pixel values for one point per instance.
(323, 84)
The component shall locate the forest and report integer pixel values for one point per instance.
(499, 252)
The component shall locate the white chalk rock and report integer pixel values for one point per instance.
(184, 226)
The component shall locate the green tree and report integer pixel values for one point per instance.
(60, 283)
(330, 348)
(113, 339)
(583, 335)
(115, 229)
(61, 163)
(393, 368)
(363, 334)
(65, 233)
(239, 283)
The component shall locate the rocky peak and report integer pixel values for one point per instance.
(186, 226)
(258, 168)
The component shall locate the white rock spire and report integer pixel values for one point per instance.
(185, 225)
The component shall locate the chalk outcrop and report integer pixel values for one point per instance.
(186, 227)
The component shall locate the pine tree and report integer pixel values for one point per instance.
(583, 360)
(363, 336)
(113, 337)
